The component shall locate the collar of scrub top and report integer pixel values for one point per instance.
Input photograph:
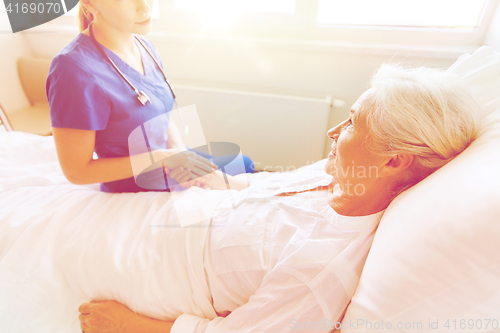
(141, 95)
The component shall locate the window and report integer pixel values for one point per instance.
(431, 22)
(463, 14)
(443, 23)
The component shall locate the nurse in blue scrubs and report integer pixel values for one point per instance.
(95, 106)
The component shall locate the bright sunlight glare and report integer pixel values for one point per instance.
(220, 12)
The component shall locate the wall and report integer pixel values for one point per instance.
(343, 74)
(493, 36)
(339, 70)
(12, 46)
(342, 70)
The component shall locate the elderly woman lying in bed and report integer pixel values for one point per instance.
(288, 261)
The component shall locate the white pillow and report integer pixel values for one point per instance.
(435, 261)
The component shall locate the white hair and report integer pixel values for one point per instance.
(426, 112)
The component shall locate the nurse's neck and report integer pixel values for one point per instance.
(117, 41)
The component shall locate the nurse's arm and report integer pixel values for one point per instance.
(174, 137)
(75, 150)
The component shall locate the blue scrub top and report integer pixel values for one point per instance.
(85, 92)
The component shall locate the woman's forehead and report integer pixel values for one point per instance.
(360, 110)
(363, 104)
(364, 96)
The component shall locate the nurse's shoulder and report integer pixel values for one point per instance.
(76, 56)
(75, 90)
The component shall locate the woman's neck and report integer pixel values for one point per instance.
(348, 202)
(117, 41)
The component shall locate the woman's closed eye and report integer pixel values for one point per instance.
(349, 123)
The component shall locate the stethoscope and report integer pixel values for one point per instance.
(141, 95)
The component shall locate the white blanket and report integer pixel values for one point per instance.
(62, 244)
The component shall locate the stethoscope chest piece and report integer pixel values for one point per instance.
(143, 98)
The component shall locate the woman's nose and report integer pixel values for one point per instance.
(143, 6)
(334, 133)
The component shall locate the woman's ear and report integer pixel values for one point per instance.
(398, 163)
(89, 7)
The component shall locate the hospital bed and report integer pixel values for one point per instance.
(434, 265)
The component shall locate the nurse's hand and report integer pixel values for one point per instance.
(198, 165)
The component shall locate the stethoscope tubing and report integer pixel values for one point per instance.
(141, 95)
(120, 72)
(157, 64)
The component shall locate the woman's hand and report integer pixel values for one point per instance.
(222, 181)
(104, 317)
(186, 178)
(175, 158)
(113, 317)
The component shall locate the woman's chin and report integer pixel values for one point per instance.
(142, 30)
(330, 168)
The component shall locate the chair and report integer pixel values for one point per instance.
(4, 121)
(35, 118)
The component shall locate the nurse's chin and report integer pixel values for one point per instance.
(142, 30)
